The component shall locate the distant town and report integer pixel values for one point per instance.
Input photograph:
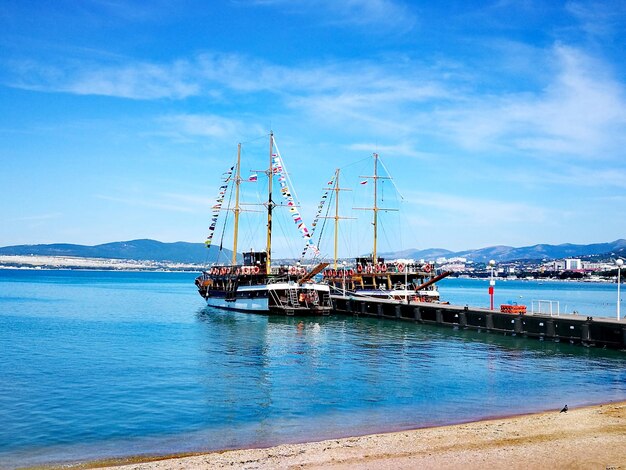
(591, 269)
(566, 268)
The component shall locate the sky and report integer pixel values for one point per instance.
(502, 122)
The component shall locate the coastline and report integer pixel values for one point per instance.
(73, 263)
(585, 437)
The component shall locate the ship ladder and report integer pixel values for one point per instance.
(326, 300)
(231, 289)
(293, 297)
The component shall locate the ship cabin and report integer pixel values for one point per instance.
(383, 276)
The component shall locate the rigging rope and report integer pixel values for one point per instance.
(228, 209)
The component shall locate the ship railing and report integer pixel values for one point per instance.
(547, 307)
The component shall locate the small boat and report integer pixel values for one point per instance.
(255, 286)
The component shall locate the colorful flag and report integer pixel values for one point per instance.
(253, 177)
(364, 182)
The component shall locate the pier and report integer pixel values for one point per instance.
(576, 329)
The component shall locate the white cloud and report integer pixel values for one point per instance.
(403, 149)
(581, 112)
(190, 199)
(467, 210)
(387, 14)
(203, 125)
(173, 206)
(140, 80)
(36, 218)
(598, 18)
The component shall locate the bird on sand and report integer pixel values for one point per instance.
(564, 410)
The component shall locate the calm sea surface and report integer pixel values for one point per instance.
(102, 364)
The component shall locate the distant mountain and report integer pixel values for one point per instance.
(428, 254)
(508, 253)
(184, 252)
(143, 250)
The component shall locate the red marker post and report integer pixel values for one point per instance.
(492, 282)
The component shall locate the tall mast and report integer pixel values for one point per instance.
(375, 208)
(237, 209)
(336, 189)
(270, 204)
(336, 213)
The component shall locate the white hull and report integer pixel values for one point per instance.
(257, 305)
(256, 299)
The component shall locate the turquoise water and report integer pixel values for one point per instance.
(102, 364)
(593, 299)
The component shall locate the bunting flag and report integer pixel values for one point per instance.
(277, 169)
(320, 207)
(364, 182)
(218, 206)
(253, 177)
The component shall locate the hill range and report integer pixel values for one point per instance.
(197, 253)
(139, 250)
(502, 253)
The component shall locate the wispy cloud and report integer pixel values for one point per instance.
(467, 210)
(140, 80)
(149, 202)
(598, 18)
(36, 218)
(203, 125)
(404, 149)
(580, 109)
(385, 14)
(578, 113)
(460, 221)
(191, 199)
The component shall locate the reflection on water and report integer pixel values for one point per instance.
(117, 366)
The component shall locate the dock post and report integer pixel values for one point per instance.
(398, 311)
(462, 319)
(379, 309)
(417, 313)
(438, 316)
(517, 326)
(550, 331)
(489, 321)
(585, 333)
(363, 307)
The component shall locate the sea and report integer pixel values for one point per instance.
(98, 365)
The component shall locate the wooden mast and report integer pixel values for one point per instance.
(336, 213)
(336, 189)
(270, 204)
(237, 209)
(375, 208)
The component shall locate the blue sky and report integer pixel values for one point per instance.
(502, 122)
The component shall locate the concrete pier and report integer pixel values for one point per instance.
(588, 331)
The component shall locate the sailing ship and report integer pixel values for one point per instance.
(372, 276)
(255, 286)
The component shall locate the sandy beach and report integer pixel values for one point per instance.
(583, 438)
